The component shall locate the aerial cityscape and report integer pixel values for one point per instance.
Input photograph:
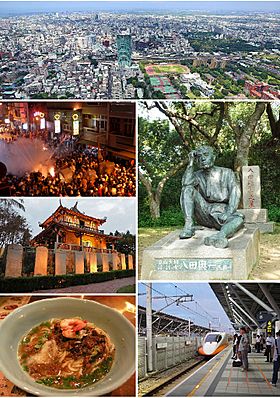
(126, 54)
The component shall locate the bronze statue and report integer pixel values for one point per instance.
(210, 196)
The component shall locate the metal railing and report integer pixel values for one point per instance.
(83, 227)
(70, 246)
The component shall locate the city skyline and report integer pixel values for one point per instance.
(216, 7)
(111, 54)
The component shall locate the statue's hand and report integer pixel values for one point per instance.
(191, 158)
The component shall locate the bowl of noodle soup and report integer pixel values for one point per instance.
(67, 346)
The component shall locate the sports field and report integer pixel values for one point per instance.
(161, 69)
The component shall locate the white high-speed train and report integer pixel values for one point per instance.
(213, 343)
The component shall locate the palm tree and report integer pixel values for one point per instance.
(18, 203)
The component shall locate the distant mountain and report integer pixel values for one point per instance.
(10, 8)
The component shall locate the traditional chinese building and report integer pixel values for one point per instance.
(71, 229)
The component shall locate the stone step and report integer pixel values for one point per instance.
(264, 227)
(254, 215)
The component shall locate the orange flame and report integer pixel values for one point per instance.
(51, 171)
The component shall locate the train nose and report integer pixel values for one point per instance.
(209, 348)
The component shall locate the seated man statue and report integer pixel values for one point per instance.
(210, 196)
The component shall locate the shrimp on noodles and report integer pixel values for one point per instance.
(66, 353)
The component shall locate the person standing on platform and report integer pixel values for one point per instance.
(244, 349)
(276, 358)
(269, 342)
(258, 343)
(262, 342)
(235, 346)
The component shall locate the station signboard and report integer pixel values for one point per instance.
(269, 327)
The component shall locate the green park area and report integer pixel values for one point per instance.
(242, 134)
(167, 68)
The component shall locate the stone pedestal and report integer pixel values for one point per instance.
(79, 263)
(123, 263)
(14, 260)
(116, 261)
(99, 259)
(41, 261)
(60, 262)
(105, 262)
(70, 262)
(254, 215)
(92, 262)
(172, 258)
(258, 218)
(130, 261)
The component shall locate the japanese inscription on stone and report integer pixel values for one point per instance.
(194, 264)
(251, 187)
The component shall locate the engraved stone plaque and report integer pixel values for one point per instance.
(251, 182)
(194, 264)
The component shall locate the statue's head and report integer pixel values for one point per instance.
(205, 157)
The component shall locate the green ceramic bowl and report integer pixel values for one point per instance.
(22, 320)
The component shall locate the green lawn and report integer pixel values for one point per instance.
(148, 236)
(169, 69)
(127, 289)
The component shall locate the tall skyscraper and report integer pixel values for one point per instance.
(124, 46)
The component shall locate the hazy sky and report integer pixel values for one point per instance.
(219, 7)
(204, 300)
(120, 212)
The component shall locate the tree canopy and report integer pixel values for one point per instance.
(13, 226)
(234, 129)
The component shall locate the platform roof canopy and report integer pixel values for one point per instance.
(165, 324)
(249, 304)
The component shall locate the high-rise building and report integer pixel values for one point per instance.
(124, 46)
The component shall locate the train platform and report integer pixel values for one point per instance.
(217, 378)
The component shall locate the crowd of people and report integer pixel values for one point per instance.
(78, 172)
(269, 345)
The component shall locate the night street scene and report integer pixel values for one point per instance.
(67, 149)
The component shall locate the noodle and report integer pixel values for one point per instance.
(66, 353)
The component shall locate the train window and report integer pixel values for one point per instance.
(219, 338)
(211, 338)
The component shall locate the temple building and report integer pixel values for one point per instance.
(70, 229)
(71, 242)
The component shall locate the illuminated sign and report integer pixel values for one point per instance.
(57, 116)
(269, 327)
(43, 124)
(25, 126)
(76, 127)
(57, 128)
(7, 121)
(75, 116)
